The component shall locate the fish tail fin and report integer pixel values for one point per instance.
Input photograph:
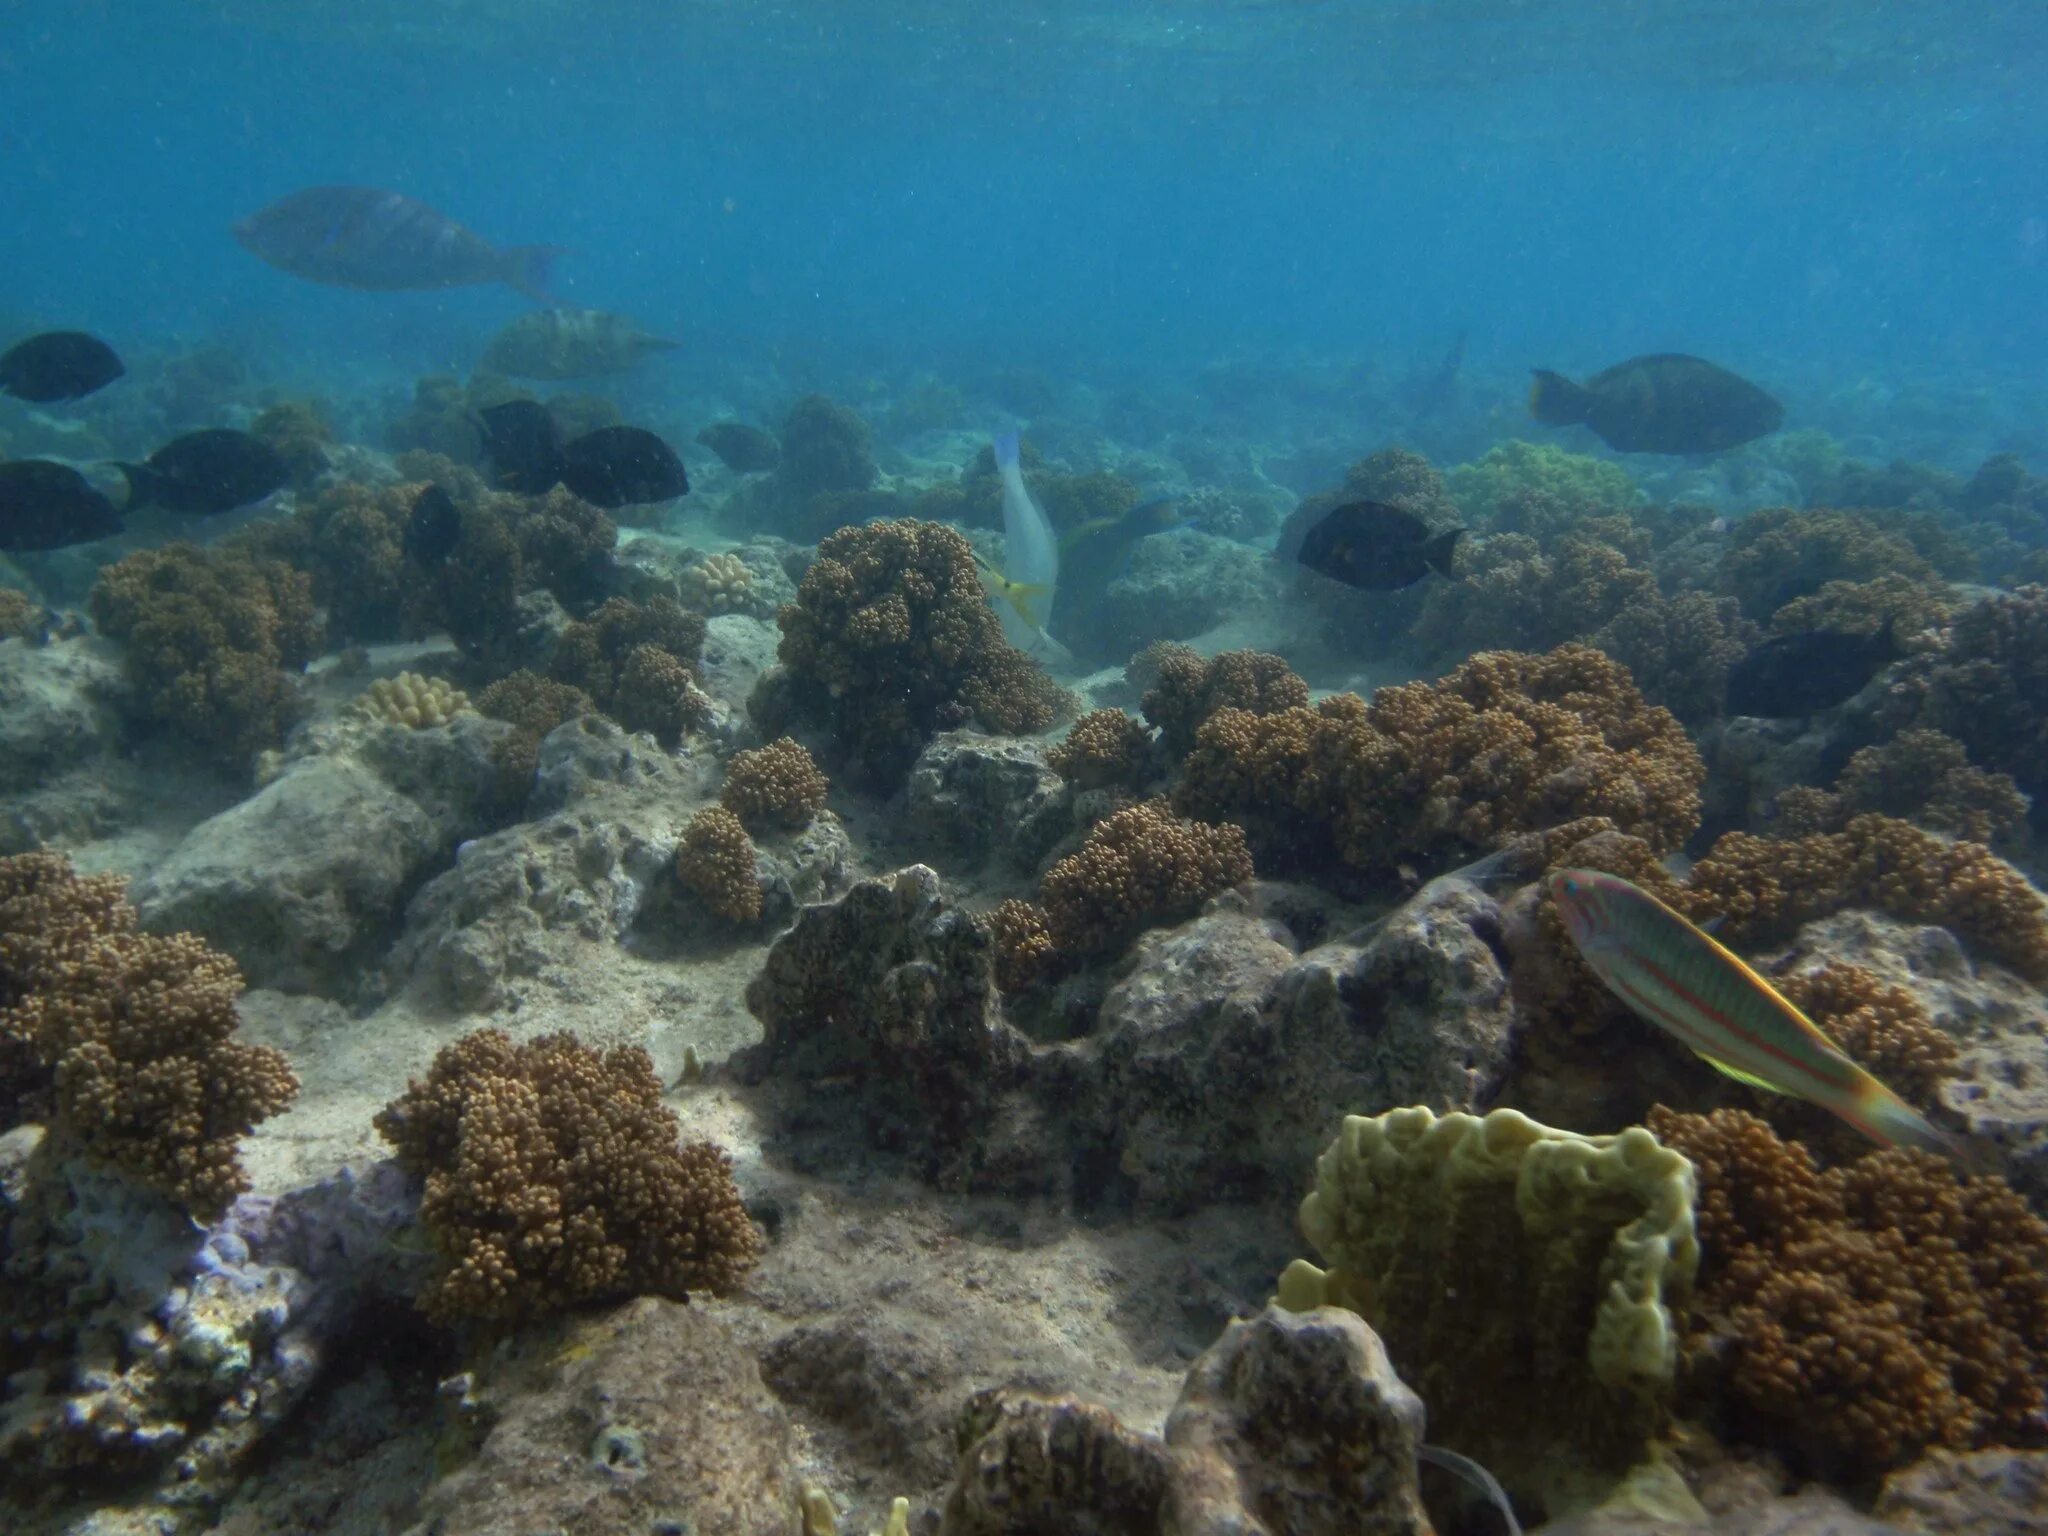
(529, 269)
(1556, 401)
(1006, 449)
(142, 484)
(1889, 1120)
(1440, 551)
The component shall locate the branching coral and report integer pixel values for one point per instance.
(1864, 1314)
(1025, 954)
(122, 1040)
(1989, 690)
(639, 662)
(1511, 593)
(1911, 608)
(1781, 554)
(1920, 776)
(208, 637)
(776, 784)
(1575, 483)
(715, 860)
(554, 1176)
(534, 703)
(413, 701)
(1506, 743)
(889, 637)
(1105, 749)
(1186, 690)
(1139, 867)
(1679, 649)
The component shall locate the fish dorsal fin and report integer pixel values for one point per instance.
(1740, 1076)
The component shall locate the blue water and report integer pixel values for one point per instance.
(1814, 192)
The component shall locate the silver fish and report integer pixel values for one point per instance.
(570, 344)
(360, 237)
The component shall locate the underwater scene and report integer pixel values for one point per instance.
(1090, 768)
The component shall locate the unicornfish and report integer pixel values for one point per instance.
(1683, 980)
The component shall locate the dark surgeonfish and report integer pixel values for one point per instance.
(1804, 674)
(743, 449)
(44, 505)
(523, 445)
(1375, 547)
(203, 473)
(434, 528)
(622, 467)
(360, 237)
(58, 365)
(570, 344)
(1664, 403)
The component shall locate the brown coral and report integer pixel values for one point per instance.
(1105, 749)
(1920, 776)
(716, 861)
(534, 703)
(1679, 649)
(1866, 1313)
(1782, 553)
(123, 1040)
(1025, 953)
(1505, 744)
(639, 662)
(208, 638)
(1910, 608)
(1511, 593)
(1139, 867)
(889, 638)
(777, 784)
(1989, 689)
(1187, 689)
(554, 1176)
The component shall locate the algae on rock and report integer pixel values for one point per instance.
(1523, 1278)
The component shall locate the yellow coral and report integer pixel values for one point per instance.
(717, 584)
(413, 701)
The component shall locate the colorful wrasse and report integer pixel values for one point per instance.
(1680, 979)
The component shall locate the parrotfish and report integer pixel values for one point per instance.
(360, 237)
(570, 344)
(1663, 403)
(1681, 979)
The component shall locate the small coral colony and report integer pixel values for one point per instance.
(1734, 809)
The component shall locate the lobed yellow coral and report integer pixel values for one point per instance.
(122, 1040)
(413, 701)
(1864, 1314)
(554, 1176)
(779, 783)
(715, 860)
(717, 584)
(1527, 1282)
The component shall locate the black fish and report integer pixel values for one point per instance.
(623, 466)
(47, 506)
(1804, 674)
(206, 472)
(58, 365)
(1664, 403)
(434, 529)
(743, 449)
(524, 446)
(1375, 547)
(361, 237)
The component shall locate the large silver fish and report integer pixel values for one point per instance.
(360, 237)
(570, 344)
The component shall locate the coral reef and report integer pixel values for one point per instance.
(1919, 776)
(715, 861)
(21, 616)
(1025, 954)
(779, 784)
(638, 661)
(1861, 1315)
(1139, 867)
(1186, 690)
(554, 1176)
(349, 539)
(1104, 749)
(1679, 649)
(890, 638)
(534, 703)
(1511, 592)
(208, 640)
(413, 701)
(1527, 1279)
(1989, 688)
(1911, 608)
(1574, 484)
(717, 584)
(1505, 744)
(827, 467)
(298, 434)
(1780, 554)
(123, 1041)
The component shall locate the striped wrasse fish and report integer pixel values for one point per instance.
(1682, 980)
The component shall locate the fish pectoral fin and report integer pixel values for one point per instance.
(1749, 1078)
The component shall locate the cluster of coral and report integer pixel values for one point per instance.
(415, 702)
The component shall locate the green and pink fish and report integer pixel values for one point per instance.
(1681, 979)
